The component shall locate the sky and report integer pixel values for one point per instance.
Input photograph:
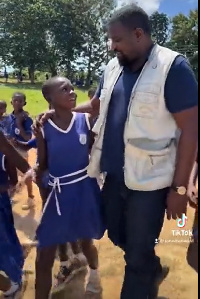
(170, 7)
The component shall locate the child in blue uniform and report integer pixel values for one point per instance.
(21, 131)
(11, 254)
(73, 208)
(4, 119)
(68, 267)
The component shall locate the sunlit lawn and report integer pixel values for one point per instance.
(35, 101)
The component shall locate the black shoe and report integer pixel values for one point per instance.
(159, 280)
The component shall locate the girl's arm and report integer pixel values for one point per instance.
(42, 152)
(8, 150)
(23, 146)
(42, 166)
(12, 172)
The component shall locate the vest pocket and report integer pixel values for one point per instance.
(144, 105)
(149, 170)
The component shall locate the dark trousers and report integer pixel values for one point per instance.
(134, 221)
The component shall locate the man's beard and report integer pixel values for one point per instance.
(124, 61)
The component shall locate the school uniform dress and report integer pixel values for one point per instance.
(11, 254)
(15, 132)
(73, 208)
(5, 124)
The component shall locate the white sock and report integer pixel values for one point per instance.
(13, 289)
(80, 256)
(65, 264)
(94, 274)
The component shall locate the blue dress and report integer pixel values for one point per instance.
(14, 130)
(5, 125)
(73, 208)
(11, 254)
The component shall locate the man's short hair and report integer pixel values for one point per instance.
(132, 16)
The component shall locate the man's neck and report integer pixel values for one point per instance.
(140, 62)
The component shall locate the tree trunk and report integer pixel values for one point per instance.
(53, 70)
(89, 72)
(31, 72)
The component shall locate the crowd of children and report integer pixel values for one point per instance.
(71, 200)
(72, 207)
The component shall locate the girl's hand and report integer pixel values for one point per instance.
(41, 120)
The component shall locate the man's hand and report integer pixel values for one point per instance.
(176, 205)
(40, 120)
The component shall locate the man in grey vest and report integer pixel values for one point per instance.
(143, 105)
(147, 97)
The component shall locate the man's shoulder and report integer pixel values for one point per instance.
(180, 62)
(112, 63)
(181, 66)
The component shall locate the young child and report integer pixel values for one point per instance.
(69, 265)
(73, 208)
(4, 120)
(11, 253)
(21, 131)
(91, 93)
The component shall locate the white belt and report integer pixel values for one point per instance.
(56, 184)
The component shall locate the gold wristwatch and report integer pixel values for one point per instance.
(182, 190)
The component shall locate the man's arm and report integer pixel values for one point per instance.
(91, 107)
(8, 150)
(187, 122)
(181, 93)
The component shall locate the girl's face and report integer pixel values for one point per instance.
(18, 103)
(63, 95)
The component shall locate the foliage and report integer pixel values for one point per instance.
(160, 27)
(67, 36)
(184, 36)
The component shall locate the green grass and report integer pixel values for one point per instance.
(35, 101)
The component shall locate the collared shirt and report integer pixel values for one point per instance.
(181, 93)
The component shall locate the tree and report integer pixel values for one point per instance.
(95, 49)
(24, 23)
(194, 60)
(160, 27)
(184, 37)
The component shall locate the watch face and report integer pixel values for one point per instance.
(182, 190)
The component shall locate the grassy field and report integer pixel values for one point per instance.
(35, 101)
(182, 258)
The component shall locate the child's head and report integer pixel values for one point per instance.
(59, 93)
(3, 107)
(18, 101)
(91, 93)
